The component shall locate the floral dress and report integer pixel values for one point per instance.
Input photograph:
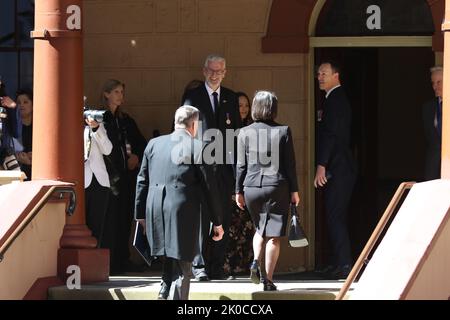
(240, 246)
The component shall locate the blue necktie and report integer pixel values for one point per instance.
(439, 118)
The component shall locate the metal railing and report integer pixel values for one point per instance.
(53, 193)
(379, 229)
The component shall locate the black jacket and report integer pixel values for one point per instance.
(227, 116)
(122, 129)
(334, 134)
(433, 141)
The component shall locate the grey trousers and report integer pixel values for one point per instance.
(181, 275)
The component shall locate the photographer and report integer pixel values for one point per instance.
(8, 131)
(96, 180)
(23, 143)
(123, 165)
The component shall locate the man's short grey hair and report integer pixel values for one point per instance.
(436, 69)
(214, 57)
(185, 116)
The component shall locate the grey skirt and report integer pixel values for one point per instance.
(269, 208)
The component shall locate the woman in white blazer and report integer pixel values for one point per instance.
(96, 178)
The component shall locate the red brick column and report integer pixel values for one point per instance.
(58, 126)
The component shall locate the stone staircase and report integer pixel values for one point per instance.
(147, 288)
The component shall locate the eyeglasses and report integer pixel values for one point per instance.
(211, 72)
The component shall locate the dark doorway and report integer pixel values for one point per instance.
(386, 88)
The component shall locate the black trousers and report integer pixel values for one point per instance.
(338, 194)
(109, 239)
(96, 204)
(125, 218)
(177, 276)
(118, 226)
(212, 253)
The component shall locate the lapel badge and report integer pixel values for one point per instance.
(319, 115)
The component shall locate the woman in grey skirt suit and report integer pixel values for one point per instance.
(266, 181)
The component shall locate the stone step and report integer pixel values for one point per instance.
(147, 288)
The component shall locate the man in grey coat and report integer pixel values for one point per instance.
(171, 186)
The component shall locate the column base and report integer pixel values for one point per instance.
(93, 264)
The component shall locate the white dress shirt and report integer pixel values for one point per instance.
(328, 92)
(95, 164)
(211, 97)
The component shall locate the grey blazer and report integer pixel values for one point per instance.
(265, 156)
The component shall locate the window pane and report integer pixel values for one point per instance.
(26, 70)
(25, 18)
(8, 72)
(7, 23)
(375, 18)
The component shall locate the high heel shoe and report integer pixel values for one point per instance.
(269, 285)
(255, 272)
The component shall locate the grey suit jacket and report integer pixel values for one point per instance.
(265, 156)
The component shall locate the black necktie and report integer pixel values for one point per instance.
(439, 118)
(216, 102)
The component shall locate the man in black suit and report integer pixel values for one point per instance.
(219, 109)
(335, 166)
(169, 190)
(432, 125)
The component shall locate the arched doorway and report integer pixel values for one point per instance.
(291, 28)
(385, 49)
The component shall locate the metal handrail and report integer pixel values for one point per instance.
(49, 195)
(363, 257)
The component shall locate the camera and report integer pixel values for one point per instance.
(9, 161)
(97, 115)
(2, 94)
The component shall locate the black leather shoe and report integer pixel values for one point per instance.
(163, 292)
(217, 276)
(255, 272)
(325, 269)
(269, 285)
(341, 272)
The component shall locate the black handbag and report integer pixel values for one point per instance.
(297, 237)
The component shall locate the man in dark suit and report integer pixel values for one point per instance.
(219, 109)
(335, 166)
(169, 191)
(432, 125)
